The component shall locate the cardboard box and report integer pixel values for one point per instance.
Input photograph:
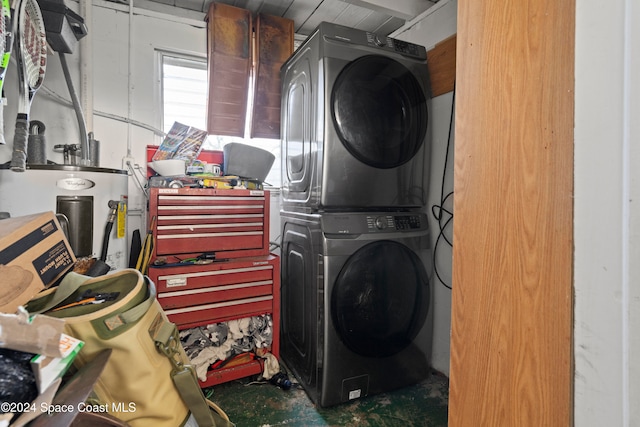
(34, 254)
(38, 334)
(47, 369)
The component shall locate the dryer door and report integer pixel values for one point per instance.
(380, 299)
(379, 111)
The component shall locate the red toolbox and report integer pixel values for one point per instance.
(188, 222)
(200, 294)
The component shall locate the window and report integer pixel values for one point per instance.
(184, 100)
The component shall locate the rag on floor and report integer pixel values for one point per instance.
(206, 345)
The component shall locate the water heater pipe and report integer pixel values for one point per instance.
(129, 82)
(86, 65)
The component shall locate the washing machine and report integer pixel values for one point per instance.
(356, 302)
(354, 122)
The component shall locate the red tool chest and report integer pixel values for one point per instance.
(231, 226)
(225, 224)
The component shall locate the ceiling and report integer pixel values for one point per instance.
(379, 16)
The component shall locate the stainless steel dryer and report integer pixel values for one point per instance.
(356, 302)
(354, 122)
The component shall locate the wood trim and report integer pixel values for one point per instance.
(511, 338)
(229, 32)
(441, 61)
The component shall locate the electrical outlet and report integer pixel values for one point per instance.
(126, 161)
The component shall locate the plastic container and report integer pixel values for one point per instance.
(246, 161)
(170, 167)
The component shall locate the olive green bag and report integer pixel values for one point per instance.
(147, 380)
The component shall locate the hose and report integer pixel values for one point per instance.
(113, 206)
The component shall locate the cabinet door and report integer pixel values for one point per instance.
(229, 31)
(274, 45)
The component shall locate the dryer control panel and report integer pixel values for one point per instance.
(342, 34)
(399, 46)
(402, 222)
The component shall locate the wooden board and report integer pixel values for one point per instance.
(441, 61)
(511, 338)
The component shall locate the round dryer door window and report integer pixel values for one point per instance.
(380, 299)
(379, 111)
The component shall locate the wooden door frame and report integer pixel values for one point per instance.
(512, 300)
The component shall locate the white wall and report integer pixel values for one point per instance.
(435, 25)
(131, 88)
(607, 216)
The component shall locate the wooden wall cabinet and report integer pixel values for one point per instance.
(237, 46)
(229, 33)
(274, 45)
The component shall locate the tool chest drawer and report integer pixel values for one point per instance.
(221, 223)
(218, 291)
(187, 286)
(196, 295)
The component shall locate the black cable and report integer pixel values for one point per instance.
(438, 216)
(438, 211)
(435, 266)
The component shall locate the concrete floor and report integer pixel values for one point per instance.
(254, 404)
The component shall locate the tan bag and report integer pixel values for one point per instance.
(147, 380)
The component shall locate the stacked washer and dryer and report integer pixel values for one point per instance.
(355, 262)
